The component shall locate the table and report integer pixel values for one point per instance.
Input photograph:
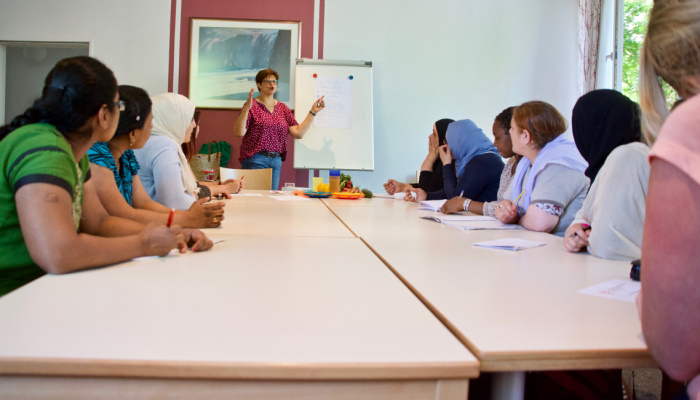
(262, 316)
(516, 311)
(263, 215)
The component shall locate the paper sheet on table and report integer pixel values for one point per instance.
(460, 216)
(337, 92)
(245, 194)
(433, 205)
(481, 225)
(615, 289)
(290, 198)
(384, 195)
(513, 244)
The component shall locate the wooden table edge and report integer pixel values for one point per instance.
(237, 371)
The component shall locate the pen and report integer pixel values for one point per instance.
(170, 218)
(518, 198)
(461, 194)
(586, 228)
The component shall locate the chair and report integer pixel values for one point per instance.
(255, 179)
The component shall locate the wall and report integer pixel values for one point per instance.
(451, 58)
(26, 70)
(217, 124)
(130, 36)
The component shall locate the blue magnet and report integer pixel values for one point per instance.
(350, 77)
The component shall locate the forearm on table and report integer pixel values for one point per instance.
(87, 251)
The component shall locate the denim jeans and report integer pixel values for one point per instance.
(260, 161)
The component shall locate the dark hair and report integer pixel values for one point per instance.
(544, 122)
(264, 74)
(137, 107)
(190, 148)
(504, 118)
(74, 91)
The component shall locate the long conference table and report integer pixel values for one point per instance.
(317, 298)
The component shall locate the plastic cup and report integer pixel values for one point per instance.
(209, 175)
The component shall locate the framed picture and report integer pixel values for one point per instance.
(225, 56)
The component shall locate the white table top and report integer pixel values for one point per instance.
(252, 307)
(514, 310)
(266, 216)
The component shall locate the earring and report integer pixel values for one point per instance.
(131, 142)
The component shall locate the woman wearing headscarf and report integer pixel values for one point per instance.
(165, 173)
(116, 172)
(607, 132)
(501, 139)
(430, 178)
(549, 185)
(471, 166)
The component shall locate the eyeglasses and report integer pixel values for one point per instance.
(269, 81)
(120, 105)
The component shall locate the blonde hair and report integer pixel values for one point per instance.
(671, 50)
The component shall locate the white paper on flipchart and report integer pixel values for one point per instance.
(337, 97)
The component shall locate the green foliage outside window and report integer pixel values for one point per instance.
(636, 20)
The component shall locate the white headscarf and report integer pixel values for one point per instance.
(172, 115)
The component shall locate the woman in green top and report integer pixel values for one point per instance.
(50, 217)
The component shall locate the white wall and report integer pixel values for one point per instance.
(129, 36)
(454, 59)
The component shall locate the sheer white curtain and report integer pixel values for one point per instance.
(588, 38)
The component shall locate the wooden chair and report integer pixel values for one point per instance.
(255, 179)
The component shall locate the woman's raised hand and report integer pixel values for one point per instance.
(576, 238)
(433, 143)
(249, 102)
(158, 240)
(445, 154)
(507, 212)
(318, 105)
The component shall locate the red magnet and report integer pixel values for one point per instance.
(315, 76)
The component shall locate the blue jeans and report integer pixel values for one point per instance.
(260, 161)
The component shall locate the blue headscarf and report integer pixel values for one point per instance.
(559, 151)
(466, 141)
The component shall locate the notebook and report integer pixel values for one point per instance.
(513, 244)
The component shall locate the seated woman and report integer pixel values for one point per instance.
(471, 166)
(165, 173)
(52, 220)
(606, 126)
(549, 185)
(115, 170)
(430, 178)
(501, 135)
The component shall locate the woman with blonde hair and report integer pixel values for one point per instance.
(670, 301)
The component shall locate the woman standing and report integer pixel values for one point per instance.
(264, 124)
(549, 185)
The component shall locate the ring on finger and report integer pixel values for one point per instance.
(215, 220)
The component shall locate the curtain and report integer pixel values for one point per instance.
(588, 39)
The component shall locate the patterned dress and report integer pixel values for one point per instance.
(99, 154)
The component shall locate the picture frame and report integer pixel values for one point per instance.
(226, 54)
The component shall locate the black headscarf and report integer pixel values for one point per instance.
(602, 120)
(435, 182)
